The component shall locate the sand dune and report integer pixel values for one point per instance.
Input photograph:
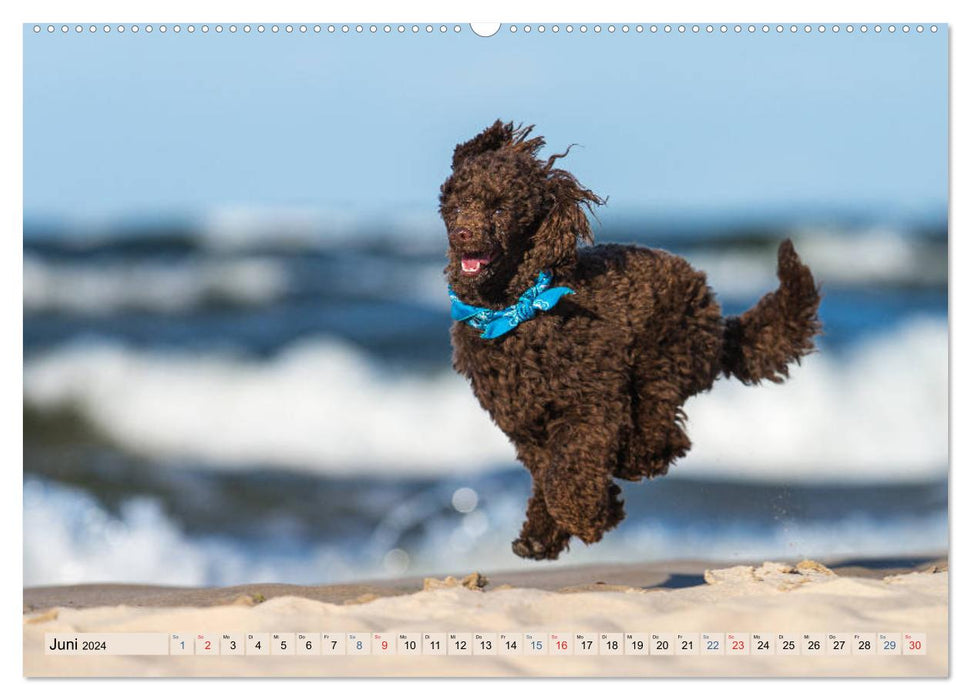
(769, 599)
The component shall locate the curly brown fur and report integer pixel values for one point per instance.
(593, 389)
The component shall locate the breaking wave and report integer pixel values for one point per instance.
(166, 287)
(878, 410)
(70, 538)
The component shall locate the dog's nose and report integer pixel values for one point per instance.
(462, 235)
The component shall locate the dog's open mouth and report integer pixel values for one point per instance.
(474, 263)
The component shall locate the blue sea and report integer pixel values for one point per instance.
(227, 401)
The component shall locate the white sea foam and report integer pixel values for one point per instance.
(320, 405)
(69, 538)
(868, 257)
(154, 286)
(296, 228)
(878, 411)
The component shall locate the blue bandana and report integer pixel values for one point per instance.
(494, 323)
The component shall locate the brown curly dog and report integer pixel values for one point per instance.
(591, 388)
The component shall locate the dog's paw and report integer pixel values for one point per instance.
(584, 513)
(528, 548)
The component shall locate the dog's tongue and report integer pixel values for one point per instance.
(474, 263)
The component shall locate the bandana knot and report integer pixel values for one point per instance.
(494, 323)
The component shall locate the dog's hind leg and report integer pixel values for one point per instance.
(665, 375)
(541, 537)
(659, 439)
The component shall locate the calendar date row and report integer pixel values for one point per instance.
(489, 644)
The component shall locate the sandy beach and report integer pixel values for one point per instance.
(805, 597)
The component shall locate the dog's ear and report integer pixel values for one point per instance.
(566, 223)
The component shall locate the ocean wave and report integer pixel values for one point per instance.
(220, 272)
(877, 411)
(84, 288)
(69, 537)
(295, 228)
(319, 405)
(868, 258)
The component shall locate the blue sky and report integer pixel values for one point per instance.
(180, 125)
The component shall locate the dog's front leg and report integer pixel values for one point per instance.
(579, 492)
(541, 537)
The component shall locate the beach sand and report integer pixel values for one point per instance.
(903, 596)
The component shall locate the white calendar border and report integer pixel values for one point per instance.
(385, 10)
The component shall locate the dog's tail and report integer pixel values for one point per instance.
(763, 341)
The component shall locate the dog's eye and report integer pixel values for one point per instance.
(497, 212)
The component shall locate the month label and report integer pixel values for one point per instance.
(107, 643)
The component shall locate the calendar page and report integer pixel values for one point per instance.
(519, 349)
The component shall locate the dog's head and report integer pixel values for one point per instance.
(509, 215)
